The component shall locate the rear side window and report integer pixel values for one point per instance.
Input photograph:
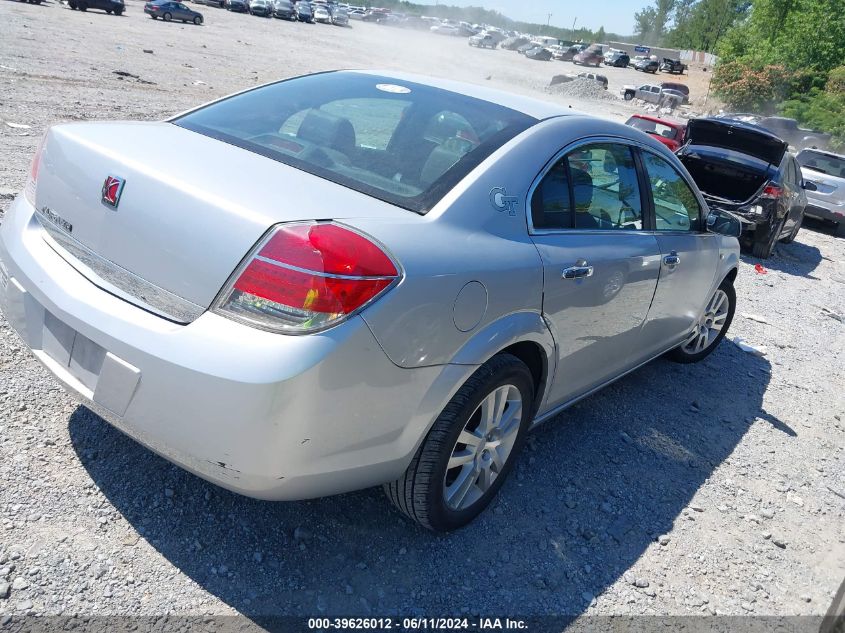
(398, 141)
(592, 187)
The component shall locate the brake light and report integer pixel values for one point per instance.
(771, 191)
(35, 165)
(305, 277)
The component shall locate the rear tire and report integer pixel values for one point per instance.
(167, 17)
(791, 237)
(483, 462)
(82, 6)
(690, 351)
(765, 247)
(840, 230)
(198, 20)
(118, 12)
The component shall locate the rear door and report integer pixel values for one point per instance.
(600, 264)
(794, 195)
(689, 254)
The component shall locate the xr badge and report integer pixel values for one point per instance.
(501, 201)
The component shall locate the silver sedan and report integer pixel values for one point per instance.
(354, 278)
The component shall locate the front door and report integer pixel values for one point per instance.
(689, 256)
(600, 265)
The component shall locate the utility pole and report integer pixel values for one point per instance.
(573, 28)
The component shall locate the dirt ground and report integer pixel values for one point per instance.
(716, 488)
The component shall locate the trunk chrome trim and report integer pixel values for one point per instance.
(115, 279)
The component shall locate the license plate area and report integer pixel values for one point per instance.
(81, 356)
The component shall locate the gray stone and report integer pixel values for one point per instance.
(20, 583)
(4, 590)
(779, 542)
(663, 539)
(642, 583)
(768, 513)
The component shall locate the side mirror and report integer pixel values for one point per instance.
(809, 186)
(724, 223)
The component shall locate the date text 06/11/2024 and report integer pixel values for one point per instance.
(413, 624)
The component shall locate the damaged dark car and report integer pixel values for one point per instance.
(748, 171)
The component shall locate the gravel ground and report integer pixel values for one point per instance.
(717, 488)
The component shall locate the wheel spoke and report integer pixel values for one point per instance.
(501, 403)
(510, 421)
(499, 455)
(460, 458)
(485, 478)
(457, 492)
(488, 410)
(469, 439)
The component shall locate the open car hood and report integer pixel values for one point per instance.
(737, 136)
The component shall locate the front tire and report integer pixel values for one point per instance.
(710, 328)
(470, 449)
(198, 20)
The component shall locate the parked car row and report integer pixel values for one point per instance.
(745, 169)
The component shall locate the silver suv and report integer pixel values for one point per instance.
(824, 177)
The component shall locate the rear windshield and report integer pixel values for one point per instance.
(398, 141)
(824, 163)
(653, 127)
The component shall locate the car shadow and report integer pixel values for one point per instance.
(797, 259)
(593, 490)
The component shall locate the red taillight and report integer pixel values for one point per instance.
(35, 165)
(771, 191)
(305, 277)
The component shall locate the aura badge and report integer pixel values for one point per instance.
(501, 201)
(112, 188)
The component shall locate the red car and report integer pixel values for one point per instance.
(592, 56)
(671, 133)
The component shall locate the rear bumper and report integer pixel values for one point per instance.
(266, 415)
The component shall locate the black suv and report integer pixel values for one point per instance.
(109, 6)
(748, 171)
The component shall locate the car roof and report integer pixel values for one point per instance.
(532, 107)
(823, 151)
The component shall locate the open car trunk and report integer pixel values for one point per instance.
(722, 180)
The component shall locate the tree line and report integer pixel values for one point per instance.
(776, 56)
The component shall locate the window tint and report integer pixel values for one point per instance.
(605, 190)
(399, 141)
(550, 205)
(675, 205)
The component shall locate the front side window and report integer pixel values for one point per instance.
(398, 141)
(675, 205)
(592, 187)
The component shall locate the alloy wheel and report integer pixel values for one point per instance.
(483, 447)
(708, 327)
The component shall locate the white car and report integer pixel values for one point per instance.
(321, 14)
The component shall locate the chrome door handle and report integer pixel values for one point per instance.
(672, 259)
(578, 272)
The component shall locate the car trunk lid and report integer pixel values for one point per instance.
(189, 208)
(738, 137)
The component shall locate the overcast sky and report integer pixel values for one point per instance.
(617, 16)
